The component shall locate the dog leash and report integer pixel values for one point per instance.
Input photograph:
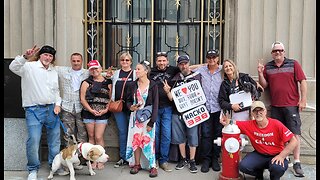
(57, 118)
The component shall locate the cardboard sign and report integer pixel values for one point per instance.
(195, 116)
(188, 96)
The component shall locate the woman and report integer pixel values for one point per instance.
(140, 151)
(233, 82)
(122, 118)
(95, 94)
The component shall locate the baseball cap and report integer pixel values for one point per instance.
(183, 59)
(94, 64)
(47, 49)
(212, 53)
(257, 104)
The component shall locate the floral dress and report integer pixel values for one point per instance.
(139, 137)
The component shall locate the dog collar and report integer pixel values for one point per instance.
(80, 146)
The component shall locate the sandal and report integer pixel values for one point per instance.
(135, 169)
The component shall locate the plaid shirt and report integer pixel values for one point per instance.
(70, 98)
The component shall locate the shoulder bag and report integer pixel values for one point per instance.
(116, 106)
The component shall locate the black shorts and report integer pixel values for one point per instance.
(289, 116)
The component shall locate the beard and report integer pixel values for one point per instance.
(259, 118)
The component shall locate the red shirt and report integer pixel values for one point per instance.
(269, 140)
(283, 82)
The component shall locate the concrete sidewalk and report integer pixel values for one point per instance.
(122, 173)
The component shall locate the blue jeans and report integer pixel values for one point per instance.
(163, 134)
(122, 119)
(37, 117)
(254, 163)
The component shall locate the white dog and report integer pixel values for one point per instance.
(69, 157)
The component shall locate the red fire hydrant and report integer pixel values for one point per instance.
(230, 147)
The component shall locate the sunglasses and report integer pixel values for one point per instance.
(127, 60)
(277, 50)
(161, 54)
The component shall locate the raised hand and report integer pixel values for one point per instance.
(30, 52)
(166, 86)
(260, 66)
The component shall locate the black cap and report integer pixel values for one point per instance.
(47, 49)
(183, 59)
(212, 53)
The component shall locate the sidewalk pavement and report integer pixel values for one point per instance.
(122, 173)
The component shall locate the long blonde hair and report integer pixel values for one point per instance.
(235, 72)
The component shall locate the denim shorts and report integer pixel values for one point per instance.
(97, 121)
(181, 133)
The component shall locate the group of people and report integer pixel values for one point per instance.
(80, 97)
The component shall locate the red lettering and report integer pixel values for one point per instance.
(190, 122)
(197, 118)
(204, 115)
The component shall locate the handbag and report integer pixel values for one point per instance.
(117, 106)
(144, 114)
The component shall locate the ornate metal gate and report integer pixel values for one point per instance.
(144, 27)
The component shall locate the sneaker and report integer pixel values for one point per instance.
(121, 162)
(135, 169)
(216, 165)
(62, 172)
(153, 172)
(165, 167)
(183, 162)
(79, 167)
(297, 171)
(205, 167)
(192, 166)
(32, 175)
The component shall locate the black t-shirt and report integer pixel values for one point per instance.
(119, 84)
(159, 76)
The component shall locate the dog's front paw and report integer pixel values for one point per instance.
(92, 173)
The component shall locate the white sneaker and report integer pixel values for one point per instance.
(62, 172)
(32, 175)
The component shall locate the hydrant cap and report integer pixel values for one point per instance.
(231, 129)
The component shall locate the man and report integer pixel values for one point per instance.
(180, 132)
(271, 140)
(41, 101)
(282, 76)
(160, 73)
(211, 128)
(70, 79)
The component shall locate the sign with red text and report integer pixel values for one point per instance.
(195, 116)
(188, 96)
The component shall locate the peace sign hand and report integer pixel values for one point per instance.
(166, 86)
(30, 52)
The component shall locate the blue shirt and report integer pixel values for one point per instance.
(211, 85)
